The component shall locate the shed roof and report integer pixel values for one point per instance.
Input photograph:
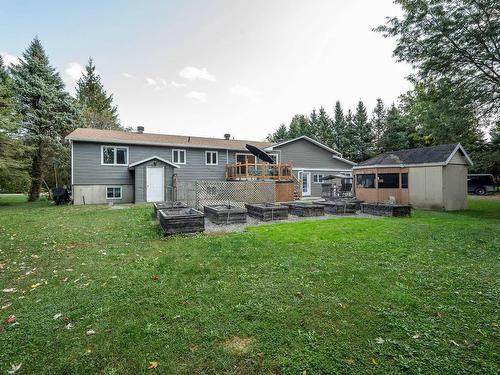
(434, 155)
(122, 137)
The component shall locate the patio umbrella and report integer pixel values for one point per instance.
(262, 155)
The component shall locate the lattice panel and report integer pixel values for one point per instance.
(236, 193)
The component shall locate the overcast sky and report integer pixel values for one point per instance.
(211, 67)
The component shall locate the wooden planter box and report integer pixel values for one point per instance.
(385, 209)
(165, 206)
(267, 211)
(181, 220)
(305, 209)
(340, 206)
(225, 214)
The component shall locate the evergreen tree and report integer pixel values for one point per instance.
(338, 128)
(378, 123)
(47, 112)
(324, 130)
(298, 126)
(397, 134)
(313, 124)
(13, 173)
(350, 149)
(96, 105)
(364, 134)
(280, 135)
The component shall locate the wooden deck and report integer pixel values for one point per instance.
(259, 171)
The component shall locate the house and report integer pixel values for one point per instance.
(126, 167)
(429, 177)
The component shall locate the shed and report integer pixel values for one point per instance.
(428, 177)
(153, 179)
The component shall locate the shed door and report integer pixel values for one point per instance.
(155, 184)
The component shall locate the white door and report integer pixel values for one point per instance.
(305, 177)
(154, 184)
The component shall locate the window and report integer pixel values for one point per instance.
(388, 180)
(113, 192)
(211, 157)
(404, 180)
(112, 155)
(366, 181)
(274, 157)
(318, 178)
(179, 156)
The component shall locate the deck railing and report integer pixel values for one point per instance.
(259, 171)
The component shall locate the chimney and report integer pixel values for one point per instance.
(140, 129)
(227, 136)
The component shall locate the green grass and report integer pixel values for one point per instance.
(413, 295)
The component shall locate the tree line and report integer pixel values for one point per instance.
(36, 113)
(454, 48)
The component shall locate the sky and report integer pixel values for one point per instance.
(205, 68)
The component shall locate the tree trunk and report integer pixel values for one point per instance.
(36, 176)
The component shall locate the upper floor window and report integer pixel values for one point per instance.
(179, 156)
(318, 178)
(211, 157)
(113, 155)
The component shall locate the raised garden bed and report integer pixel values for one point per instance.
(386, 209)
(340, 206)
(225, 214)
(166, 206)
(267, 211)
(304, 209)
(181, 220)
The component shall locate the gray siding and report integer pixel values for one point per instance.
(141, 180)
(87, 168)
(304, 154)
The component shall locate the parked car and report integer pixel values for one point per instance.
(481, 184)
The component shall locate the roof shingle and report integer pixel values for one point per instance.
(116, 136)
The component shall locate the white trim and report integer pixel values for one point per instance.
(211, 158)
(162, 181)
(71, 143)
(459, 147)
(321, 169)
(151, 158)
(309, 186)
(318, 174)
(114, 164)
(185, 155)
(114, 187)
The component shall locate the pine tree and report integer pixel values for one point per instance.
(378, 123)
(298, 126)
(364, 135)
(338, 128)
(313, 124)
(13, 173)
(397, 134)
(97, 106)
(280, 135)
(47, 112)
(324, 129)
(350, 148)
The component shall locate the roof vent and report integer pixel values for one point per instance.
(227, 136)
(140, 129)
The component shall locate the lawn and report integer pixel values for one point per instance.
(351, 295)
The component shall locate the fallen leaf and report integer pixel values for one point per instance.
(349, 360)
(152, 365)
(374, 361)
(14, 368)
(155, 277)
(193, 348)
(57, 316)
(36, 285)
(11, 319)
(5, 306)
(416, 336)
(342, 305)
(379, 340)
(69, 326)
(90, 332)
(9, 290)
(302, 322)
(454, 343)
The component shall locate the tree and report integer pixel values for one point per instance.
(338, 128)
(97, 106)
(313, 124)
(350, 149)
(397, 133)
(324, 129)
(378, 123)
(298, 126)
(47, 112)
(13, 174)
(458, 40)
(280, 135)
(364, 135)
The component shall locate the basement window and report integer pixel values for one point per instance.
(366, 181)
(388, 180)
(113, 192)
